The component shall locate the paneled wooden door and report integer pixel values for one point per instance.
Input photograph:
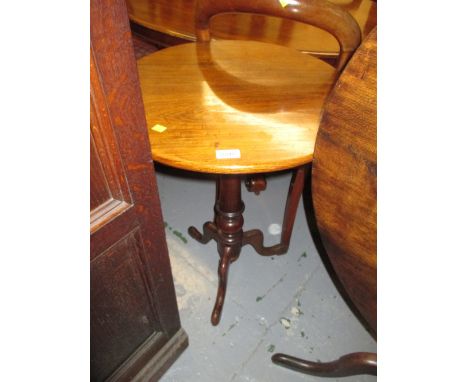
(135, 327)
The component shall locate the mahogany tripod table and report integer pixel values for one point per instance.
(234, 129)
(344, 193)
(241, 108)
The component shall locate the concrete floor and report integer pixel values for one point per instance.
(285, 304)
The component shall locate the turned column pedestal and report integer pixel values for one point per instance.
(226, 228)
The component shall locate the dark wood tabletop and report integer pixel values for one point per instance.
(344, 179)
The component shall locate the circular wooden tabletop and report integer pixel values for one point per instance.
(344, 184)
(176, 18)
(260, 102)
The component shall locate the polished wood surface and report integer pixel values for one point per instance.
(134, 322)
(262, 99)
(320, 13)
(344, 196)
(344, 184)
(176, 18)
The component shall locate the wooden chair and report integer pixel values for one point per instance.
(170, 22)
(237, 108)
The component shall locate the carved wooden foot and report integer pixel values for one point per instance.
(223, 269)
(349, 364)
(209, 232)
(254, 237)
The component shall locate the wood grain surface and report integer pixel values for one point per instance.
(344, 184)
(176, 18)
(319, 13)
(134, 320)
(261, 99)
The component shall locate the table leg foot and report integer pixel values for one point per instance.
(223, 269)
(209, 233)
(254, 238)
(349, 364)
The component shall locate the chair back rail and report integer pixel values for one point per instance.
(319, 13)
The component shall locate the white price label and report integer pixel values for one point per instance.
(228, 154)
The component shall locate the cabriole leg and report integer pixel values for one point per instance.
(349, 364)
